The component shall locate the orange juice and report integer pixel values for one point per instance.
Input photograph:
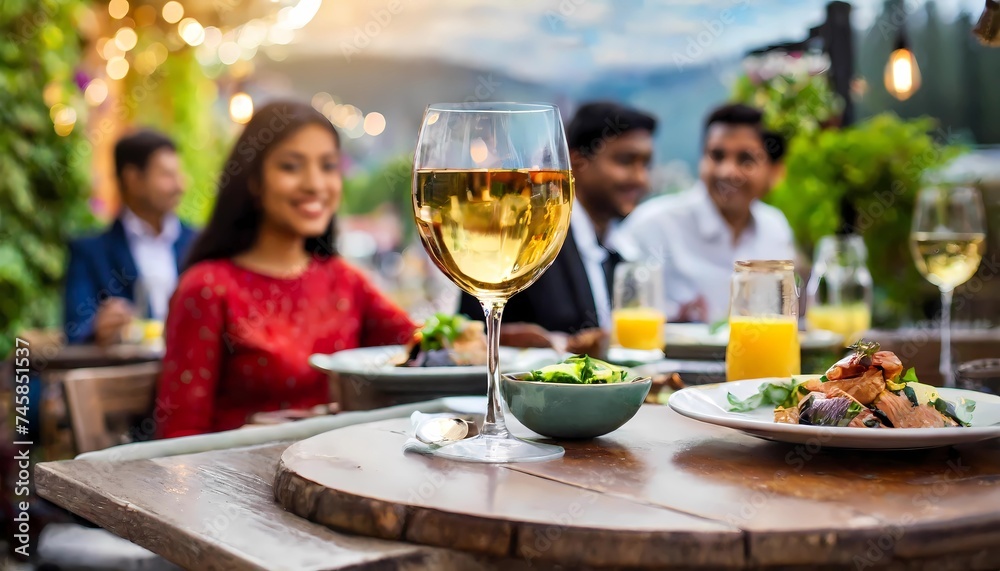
(849, 319)
(762, 347)
(637, 328)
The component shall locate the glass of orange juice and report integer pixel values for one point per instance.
(763, 321)
(636, 320)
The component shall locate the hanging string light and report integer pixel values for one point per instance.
(902, 74)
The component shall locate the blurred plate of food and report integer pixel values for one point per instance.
(633, 357)
(447, 354)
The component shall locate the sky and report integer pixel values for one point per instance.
(572, 40)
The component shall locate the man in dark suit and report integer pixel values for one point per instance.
(610, 147)
(130, 269)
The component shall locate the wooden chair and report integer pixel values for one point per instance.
(104, 402)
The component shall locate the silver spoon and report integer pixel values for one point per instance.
(438, 431)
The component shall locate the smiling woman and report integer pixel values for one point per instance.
(264, 288)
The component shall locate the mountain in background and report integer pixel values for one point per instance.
(400, 89)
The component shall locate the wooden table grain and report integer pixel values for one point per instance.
(216, 510)
(662, 492)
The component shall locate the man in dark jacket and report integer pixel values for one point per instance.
(611, 147)
(130, 270)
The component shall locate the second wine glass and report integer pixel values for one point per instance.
(492, 194)
(947, 241)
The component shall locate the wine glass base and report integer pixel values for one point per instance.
(499, 450)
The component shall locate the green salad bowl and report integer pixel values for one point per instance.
(563, 410)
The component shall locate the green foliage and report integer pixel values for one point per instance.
(43, 176)
(877, 166)
(178, 98)
(389, 183)
(792, 105)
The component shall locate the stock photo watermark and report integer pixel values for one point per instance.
(363, 35)
(22, 449)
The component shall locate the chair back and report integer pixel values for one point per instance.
(104, 404)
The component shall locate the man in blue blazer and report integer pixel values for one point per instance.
(131, 269)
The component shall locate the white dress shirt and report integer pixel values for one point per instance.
(686, 234)
(155, 259)
(593, 256)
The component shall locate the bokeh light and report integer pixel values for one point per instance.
(96, 92)
(118, 9)
(374, 123)
(241, 108)
(172, 12)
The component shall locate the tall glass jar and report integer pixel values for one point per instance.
(839, 292)
(763, 321)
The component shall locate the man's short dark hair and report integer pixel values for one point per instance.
(737, 114)
(136, 148)
(597, 122)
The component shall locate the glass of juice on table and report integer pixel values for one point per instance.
(763, 321)
(839, 292)
(636, 321)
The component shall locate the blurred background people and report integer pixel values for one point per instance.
(611, 147)
(131, 268)
(265, 288)
(698, 234)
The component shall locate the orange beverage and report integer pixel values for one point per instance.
(637, 328)
(849, 319)
(765, 346)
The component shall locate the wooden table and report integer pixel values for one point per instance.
(662, 492)
(677, 494)
(82, 356)
(216, 510)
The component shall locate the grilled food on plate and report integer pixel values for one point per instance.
(447, 341)
(866, 389)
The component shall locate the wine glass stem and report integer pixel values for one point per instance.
(946, 372)
(494, 424)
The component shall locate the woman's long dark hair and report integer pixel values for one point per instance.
(237, 215)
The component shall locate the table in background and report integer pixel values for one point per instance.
(85, 356)
(921, 348)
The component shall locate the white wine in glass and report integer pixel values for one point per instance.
(947, 241)
(492, 194)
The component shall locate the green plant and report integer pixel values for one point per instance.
(792, 104)
(177, 98)
(878, 167)
(43, 176)
(388, 183)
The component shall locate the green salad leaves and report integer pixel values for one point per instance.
(580, 370)
(774, 394)
(441, 329)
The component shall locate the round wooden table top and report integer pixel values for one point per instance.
(663, 491)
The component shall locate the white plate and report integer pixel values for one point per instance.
(633, 357)
(698, 334)
(708, 403)
(374, 365)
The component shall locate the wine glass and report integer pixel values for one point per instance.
(492, 194)
(947, 237)
(839, 292)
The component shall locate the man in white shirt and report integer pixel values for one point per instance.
(698, 234)
(611, 147)
(131, 269)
